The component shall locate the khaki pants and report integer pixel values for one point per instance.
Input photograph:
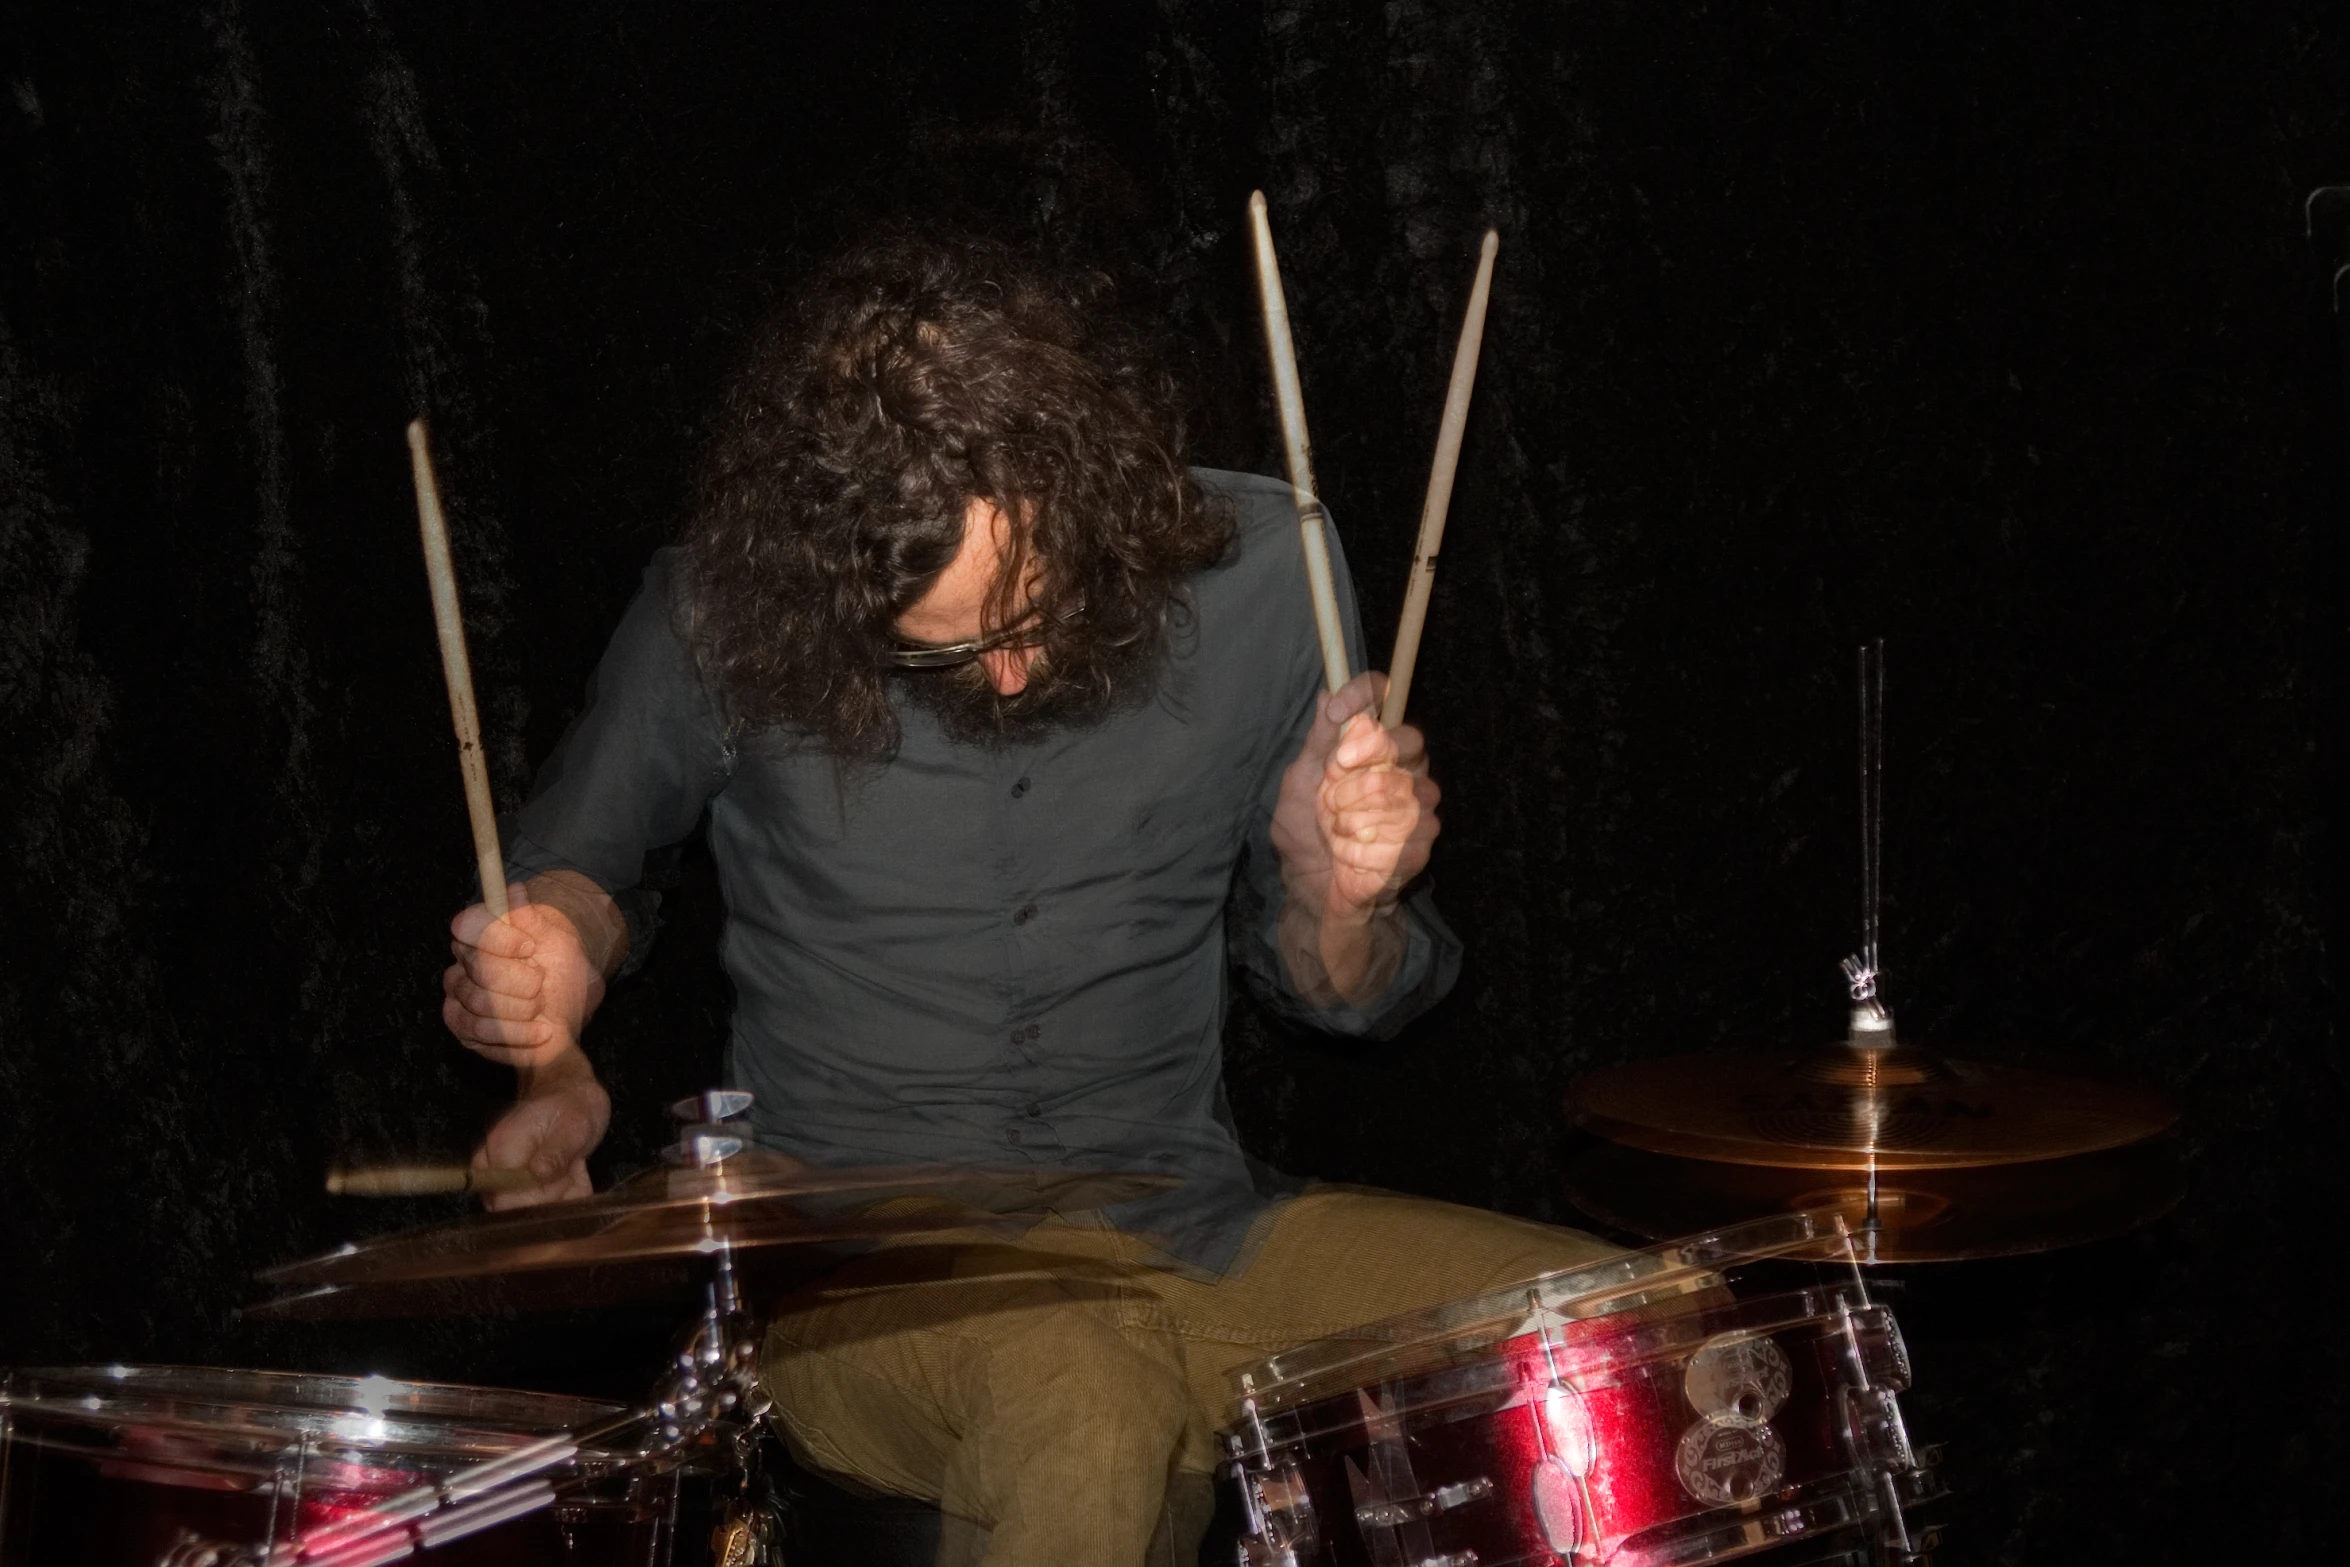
(1058, 1399)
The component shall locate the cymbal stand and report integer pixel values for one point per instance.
(709, 1396)
(1872, 1020)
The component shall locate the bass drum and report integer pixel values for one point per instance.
(1694, 1402)
(137, 1466)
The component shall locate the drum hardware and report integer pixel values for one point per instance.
(711, 1131)
(1871, 1421)
(713, 1196)
(1656, 1409)
(1277, 1509)
(1389, 1515)
(749, 1531)
(326, 1472)
(133, 1466)
(1929, 1157)
(1381, 1489)
(709, 1400)
(1566, 1443)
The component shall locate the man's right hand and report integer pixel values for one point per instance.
(520, 992)
(523, 987)
(553, 1125)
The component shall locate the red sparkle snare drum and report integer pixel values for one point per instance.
(139, 1466)
(1661, 1408)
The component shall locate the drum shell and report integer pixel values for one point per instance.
(1625, 1398)
(116, 1466)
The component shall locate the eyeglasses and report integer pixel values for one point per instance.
(949, 655)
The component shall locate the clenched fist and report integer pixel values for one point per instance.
(1355, 822)
(520, 992)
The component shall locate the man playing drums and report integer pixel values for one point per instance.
(1010, 731)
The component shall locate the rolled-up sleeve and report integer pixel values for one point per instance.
(634, 772)
(1432, 953)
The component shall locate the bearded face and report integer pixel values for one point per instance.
(971, 711)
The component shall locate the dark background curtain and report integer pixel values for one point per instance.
(1988, 329)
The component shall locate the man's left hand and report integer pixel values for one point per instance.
(1356, 819)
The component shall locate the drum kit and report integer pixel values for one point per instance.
(1704, 1399)
(1685, 1403)
(1690, 1403)
(1730, 1393)
(1726, 1394)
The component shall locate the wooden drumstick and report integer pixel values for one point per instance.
(424, 1180)
(1448, 460)
(459, 669)
(1291, 400)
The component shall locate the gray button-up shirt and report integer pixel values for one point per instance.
(980, 954)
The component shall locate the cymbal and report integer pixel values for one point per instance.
(1849, 1108)
(753, 1201)
(1926, 1215)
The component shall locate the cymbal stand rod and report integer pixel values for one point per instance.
(725, 1296)
(1873, 1224)
(1872, 799)
(1872, 1021)
(1863, 969)
(1853, 1257)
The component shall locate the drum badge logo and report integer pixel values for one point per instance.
(1728, 1458)
(1738, 1376)
(1736, 1385)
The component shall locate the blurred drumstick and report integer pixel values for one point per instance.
(1291, 399)
(1448, 459)
(424, 1180)
(459, 669)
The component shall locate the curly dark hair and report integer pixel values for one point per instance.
(909, 377)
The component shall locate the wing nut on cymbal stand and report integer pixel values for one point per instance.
(710, 1131)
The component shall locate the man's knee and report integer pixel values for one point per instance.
(844, 1414)
(896, 1404)
(1117, 1395)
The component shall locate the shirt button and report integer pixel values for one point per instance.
(1013, 1137)
(1019, 788)
(1035, 1112)
(1024, 915)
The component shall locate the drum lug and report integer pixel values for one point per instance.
(1278, 1509)
(1873, 1425)
(1413, 1509)
(1873, 1342)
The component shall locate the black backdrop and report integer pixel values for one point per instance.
(1988, 329)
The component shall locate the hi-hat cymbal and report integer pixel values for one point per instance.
(642, 1229)
(1845, 1108)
